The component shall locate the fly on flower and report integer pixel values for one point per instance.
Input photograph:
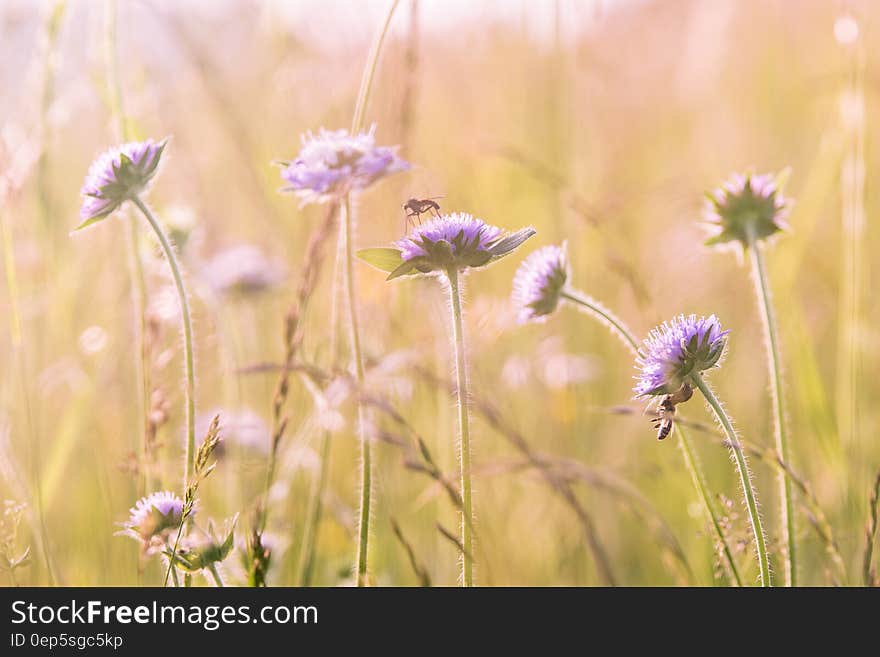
(664, 419)
(457, 241)
(415, 208)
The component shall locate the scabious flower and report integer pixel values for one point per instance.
(538, 283)
(333, 163)
(455, 241)
(117, 175)
(154, 516)
(676, 349)
(747, 207)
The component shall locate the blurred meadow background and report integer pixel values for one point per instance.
(601, 123)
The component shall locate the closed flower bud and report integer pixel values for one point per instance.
(747, 207)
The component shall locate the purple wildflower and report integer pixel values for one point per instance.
(154, 515)
(746, 207)
(455, 241)
(676, 349)
(116, 176)
(334, 163)
(538, 283)
(243, 269)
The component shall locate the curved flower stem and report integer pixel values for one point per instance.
(626, 336)
(347, 224)
(744, 475)
(603, 315)
(768, 317)
(464, 447)
(189, 360)
(693, 467)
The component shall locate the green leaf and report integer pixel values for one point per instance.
(89, 222)
(382, 258)
(404, 269)
(507, 245)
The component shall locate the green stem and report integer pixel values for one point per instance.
(774, 362)
(693, 467)
(135, 265)
(189, 360)
(354, 330)
(626, 336)
(744, 475)
(212, 568)
(464, 447)
(603, 315)
(357, 356)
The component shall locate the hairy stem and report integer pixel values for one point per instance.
(357, 356)
(351, 299)
(603, 315)
(744, 475)
(464, 446)
(186, 319)
(626, 336)
(768, 318)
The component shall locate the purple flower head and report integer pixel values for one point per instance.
(117, 175)
(243, 269)
(334, 163)
(538, 283)
(154, 515)
(676, 349)
(454, 241)
(745, 204)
